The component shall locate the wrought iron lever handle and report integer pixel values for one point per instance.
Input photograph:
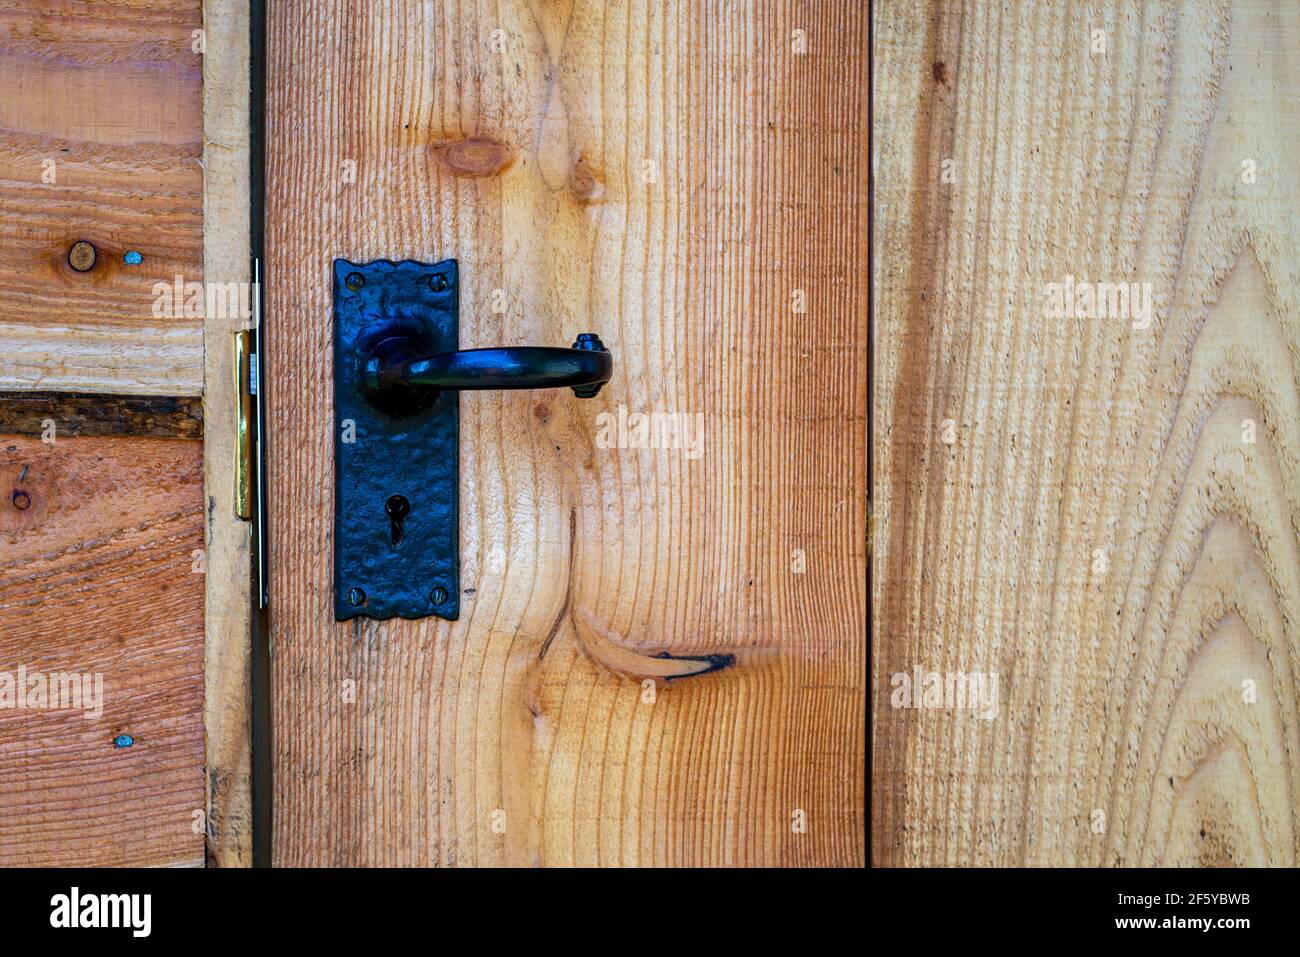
(395, 374)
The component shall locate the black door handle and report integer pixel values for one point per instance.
(396, 375)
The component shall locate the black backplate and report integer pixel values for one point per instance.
(415, 456)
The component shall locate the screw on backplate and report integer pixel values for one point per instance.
(123, 741)
(438, 596)
(354, 281)
(439, 282)
(82, 256)
(356, 597)
(591, 342)
(21, 499)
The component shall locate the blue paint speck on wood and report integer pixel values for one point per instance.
(123, 741)
(133, 258)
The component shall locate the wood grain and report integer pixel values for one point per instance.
(226, 187)
(1103, 530)
(106, 97)
(682, 180)
(97, 576)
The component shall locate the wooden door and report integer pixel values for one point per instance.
(660, 658)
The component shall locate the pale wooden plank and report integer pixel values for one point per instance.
(1101, 530)
(229, 559)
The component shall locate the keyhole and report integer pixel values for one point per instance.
(397, 508)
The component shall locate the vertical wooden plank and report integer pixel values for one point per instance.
(688, 181)
(98, 542)
(1108, 519)
(228, 603)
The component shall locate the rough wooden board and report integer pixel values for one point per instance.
(759, 189)
(1125, 733)
(72, 413)
(110, 94)
(229, 561)
(97, 576)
